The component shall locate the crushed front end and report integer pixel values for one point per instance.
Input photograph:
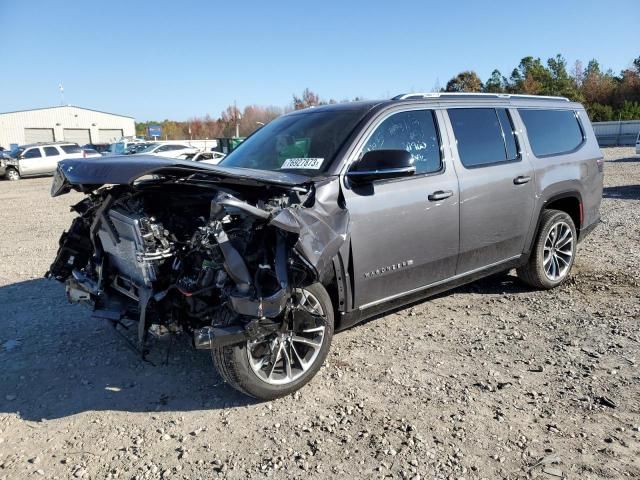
(197, 250)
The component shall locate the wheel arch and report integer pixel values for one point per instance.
(569, 201)
(15, 168)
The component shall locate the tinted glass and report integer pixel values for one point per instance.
(551, 132)
(479, 136)
(71, 149)
(415, 132)
(510, 141)
(117, 148)
(302, 142)
(32, 153)
(51, 151)
(147, 149)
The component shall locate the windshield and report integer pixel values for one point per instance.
(148, 148)
(305, 142)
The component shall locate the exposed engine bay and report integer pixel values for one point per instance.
(187, 252)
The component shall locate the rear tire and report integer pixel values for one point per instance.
(553, 252)
(245, 372)
(12, 174)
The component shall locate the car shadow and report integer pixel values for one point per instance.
(626, 159)
(622, 192)
(57, 361)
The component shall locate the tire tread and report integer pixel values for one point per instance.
(532, 272)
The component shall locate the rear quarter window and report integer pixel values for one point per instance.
(552, 132)
(71, 149)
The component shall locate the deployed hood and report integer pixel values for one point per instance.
(125, 170)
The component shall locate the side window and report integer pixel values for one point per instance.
(71, 149)
(484, 136)
(32, 153)
(414, 131)
(51, 151)
(552, 132)
(163, 148)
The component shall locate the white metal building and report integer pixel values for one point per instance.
(64, 123)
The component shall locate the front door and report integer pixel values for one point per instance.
(404, 232)
(32, 162)
(496, 187)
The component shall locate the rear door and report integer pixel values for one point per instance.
(51, 156)
(32, 162)
(402, 236)
(496, 187)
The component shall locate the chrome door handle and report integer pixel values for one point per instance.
(440, 195)
(521, 180)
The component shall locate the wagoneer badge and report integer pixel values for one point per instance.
(389, 268)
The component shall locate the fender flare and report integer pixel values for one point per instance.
(557, 196)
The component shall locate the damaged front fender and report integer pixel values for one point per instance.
(321, 229)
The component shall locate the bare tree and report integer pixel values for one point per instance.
(308, 99)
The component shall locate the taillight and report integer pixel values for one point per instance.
(600, 163)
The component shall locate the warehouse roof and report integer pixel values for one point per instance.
(65, 106)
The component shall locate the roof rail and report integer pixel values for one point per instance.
(417, 96)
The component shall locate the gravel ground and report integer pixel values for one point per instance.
(491, 380)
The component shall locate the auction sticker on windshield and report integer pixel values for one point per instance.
(303, 163)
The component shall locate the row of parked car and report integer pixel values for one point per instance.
(42, 158)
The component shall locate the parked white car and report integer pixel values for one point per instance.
(205, 157)
(42, 159)
(172, 150)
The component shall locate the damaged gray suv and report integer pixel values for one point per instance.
(325, 217)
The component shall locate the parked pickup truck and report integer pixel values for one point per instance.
(41, 159)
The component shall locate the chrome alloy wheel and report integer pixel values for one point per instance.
(285, 356)
(558, 251)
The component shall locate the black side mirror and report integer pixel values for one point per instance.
(382, 164)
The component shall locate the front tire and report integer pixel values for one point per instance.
(553, 252)
(12, 174)
(284, 362)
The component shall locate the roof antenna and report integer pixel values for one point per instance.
(61, 88)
